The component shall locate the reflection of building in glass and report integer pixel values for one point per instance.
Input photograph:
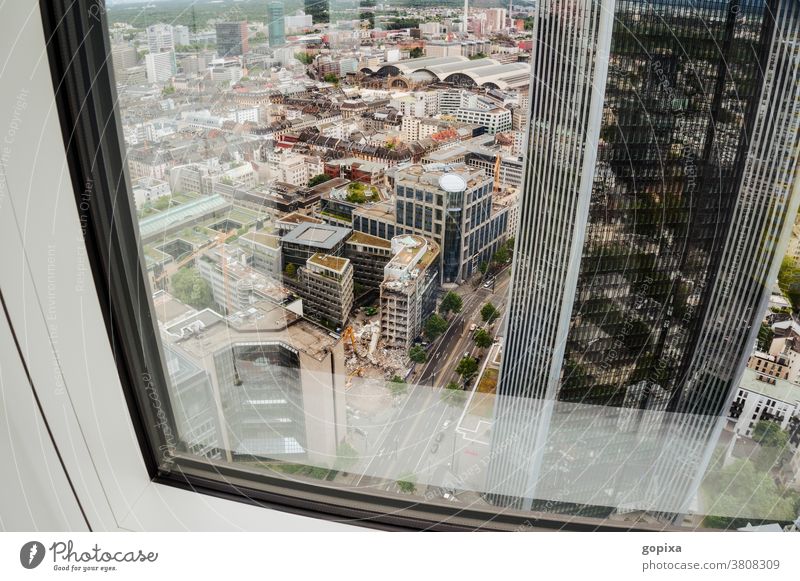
(274, 379)
(408, 291)
(657, 194)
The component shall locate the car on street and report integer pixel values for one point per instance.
(472, 327)
(434, 448)
(439, 436)
(446, 424)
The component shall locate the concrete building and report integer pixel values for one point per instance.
(495, 120)
(160, 66)
(180, 35)
(265, 252)
(308, 239)
(325, 284)
(776, 400)
(160, 38)
(368, 255)
(408, 290)
(298, 21)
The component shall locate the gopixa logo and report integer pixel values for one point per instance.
(31, 554)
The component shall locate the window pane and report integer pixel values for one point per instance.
(467, 260)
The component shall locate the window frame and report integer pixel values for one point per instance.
(78, 53)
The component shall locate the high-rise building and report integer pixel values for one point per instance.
(276, 24)
(180, 35)
(232, 39)
(453, 206)
(160, 66)
(160, 38)
(660, 190)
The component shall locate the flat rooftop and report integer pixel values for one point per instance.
(782, 390)
(330, 262)
(262, 322)
(321, 236)
(298, 218)
(263, 238)
(368, 240)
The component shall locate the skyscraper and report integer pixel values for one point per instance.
(232, 39)
(275, 24)
(660, 190)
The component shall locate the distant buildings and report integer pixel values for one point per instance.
(160, 66)
(276, 24)
(160, 38)
(495, 120)
(232, 39)
(408, 290)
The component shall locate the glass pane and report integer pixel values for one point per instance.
(513, 258)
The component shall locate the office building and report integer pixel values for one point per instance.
(309, 238)
(660, 192)
(160, 66)
(325, 284)
(451, 205)
(408, 290)
(276, 25)
(160, 38)
(232, 39)
(368, 255)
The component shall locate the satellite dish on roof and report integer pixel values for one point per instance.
(453, 183)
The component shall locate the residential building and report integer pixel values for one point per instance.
(408, 290)
(758, 400)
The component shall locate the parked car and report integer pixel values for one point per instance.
(439, 436)
(434, 448)
(472, 327)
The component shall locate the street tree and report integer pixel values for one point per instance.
(489, 313)
(453, 394)
(451, 302)
(407, 484)
(417, 354)
(397, 386)
(191, 288)
(467, 368)
(435, 326)
(482, 339)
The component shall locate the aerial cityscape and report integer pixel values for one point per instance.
(540, 256)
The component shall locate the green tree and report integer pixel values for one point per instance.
(489, 313)
(453, 394)
(773, 443)
(331, 78)
(290, 270)
(765, 336)
(483, 267)
(318, 179)
(501, 256)
(451, 302)
(415, 52)
(467, 368)
(417, 354)
(435, 326)
(168, 90)
(789, 281)
(397, 386)
(356, 193)
(407, 484)
(304, 57)
(190, 288)
(482, 339)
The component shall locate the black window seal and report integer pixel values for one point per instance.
(78, 51)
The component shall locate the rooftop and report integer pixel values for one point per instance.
(298, 218)
(263, 238)
(782, 390)
(321, 236)
(330, 262)
(369, 240)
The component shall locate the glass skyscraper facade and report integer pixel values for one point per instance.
(657, 200)
(276, 24)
